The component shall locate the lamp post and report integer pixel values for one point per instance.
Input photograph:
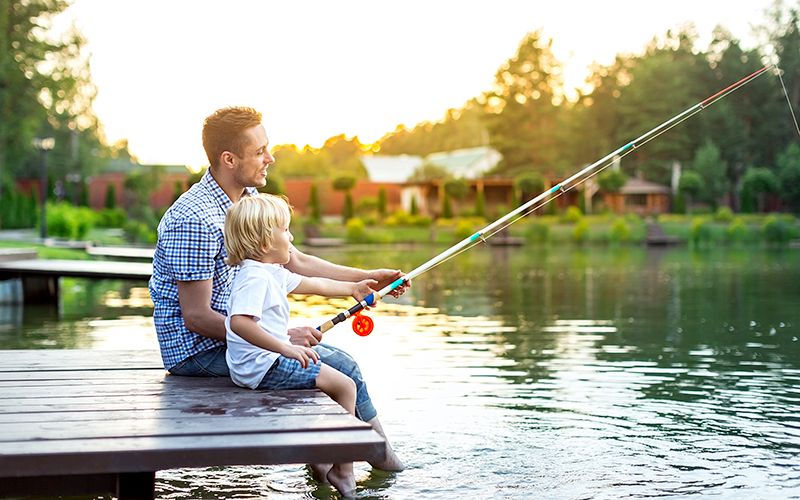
(43, 145)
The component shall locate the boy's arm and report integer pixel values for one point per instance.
(332, 288)
(247, 328)
(312, 266)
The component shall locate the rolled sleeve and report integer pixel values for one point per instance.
(190, 250)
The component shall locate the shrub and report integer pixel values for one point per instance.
(581, 232)
(537, 232)
(463, 229)
(724, 214)
(620, 231)
(775, 230)
(736, 232)
(67, 221)
(700, 232)
(573, 215)
(111, 217)
(356, 231)
(139, 232)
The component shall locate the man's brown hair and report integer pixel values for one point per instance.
(222, 131)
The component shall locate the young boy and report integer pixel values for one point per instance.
(259, 353)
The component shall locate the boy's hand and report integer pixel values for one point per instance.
(301, 354)
(386, 277)
(363, 288)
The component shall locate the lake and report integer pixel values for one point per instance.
(520, 373)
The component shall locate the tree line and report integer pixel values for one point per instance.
(737, 151)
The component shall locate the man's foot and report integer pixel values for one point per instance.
(320, 472)
(391, 462)
(343, 480)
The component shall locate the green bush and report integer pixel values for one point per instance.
(67, 221)
(139, 232)
(573, 215)
(581, 232)
(620, 231)
(464, 229)
(111, 217)
(18, 210)
(356, 231)
(700, 232)
(736, 232)
(537, 232)
(776, 230)
(724, 214)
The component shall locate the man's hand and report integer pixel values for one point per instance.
(386, 277)
(306, 336)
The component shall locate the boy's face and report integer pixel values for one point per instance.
(281, 243)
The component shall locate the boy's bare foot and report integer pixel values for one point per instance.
(320, 472)
(391, 462)
(341, 477)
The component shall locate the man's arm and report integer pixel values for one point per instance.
(195, 300)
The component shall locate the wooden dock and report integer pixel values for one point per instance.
(77, 422)
(40, 276)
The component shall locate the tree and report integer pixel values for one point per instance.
(712, 169)
(690, 185)
(45, 89)
(668, 78)
(789, 176)
(529, 185)
(382, 202)
(429, 172)
(757, 183)
(111, 196)
(314, 205)
(611, 181)
(480, 204)
(345, 183)
(522, 110)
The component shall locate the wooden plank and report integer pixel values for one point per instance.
(78, 359)
(94, 456)
(144, 253)
(97, 269)
(96, 413)
(180, 426)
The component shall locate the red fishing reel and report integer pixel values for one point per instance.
(362, 324)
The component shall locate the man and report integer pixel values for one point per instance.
(190, 282)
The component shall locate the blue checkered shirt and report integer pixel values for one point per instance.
(190, 247)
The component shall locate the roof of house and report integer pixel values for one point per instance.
(464, 162)
(395, 169)
(468, 163)
(641, 186)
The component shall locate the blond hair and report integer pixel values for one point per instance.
(224, 130)
(251, 224)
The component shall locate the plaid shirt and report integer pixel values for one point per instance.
(190, 247)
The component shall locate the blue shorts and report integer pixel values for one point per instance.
(288, 373)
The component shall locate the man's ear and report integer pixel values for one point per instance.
(227, 159)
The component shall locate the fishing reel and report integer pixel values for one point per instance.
(362, 324)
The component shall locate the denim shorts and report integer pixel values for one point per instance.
(288, 373)
(211, 363)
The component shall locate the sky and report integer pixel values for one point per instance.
(316, 69)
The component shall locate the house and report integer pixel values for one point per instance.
(639, 196)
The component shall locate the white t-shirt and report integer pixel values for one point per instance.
(259, 290)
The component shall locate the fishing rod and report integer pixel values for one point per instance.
(363, 325)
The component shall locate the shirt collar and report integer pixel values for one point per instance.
(219, 195)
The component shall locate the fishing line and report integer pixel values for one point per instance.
(551, 194)
(788, 101)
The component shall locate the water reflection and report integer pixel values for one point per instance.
(537, 372)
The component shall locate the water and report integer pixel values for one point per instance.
(536, 373)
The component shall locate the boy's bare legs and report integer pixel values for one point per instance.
(341, 389)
